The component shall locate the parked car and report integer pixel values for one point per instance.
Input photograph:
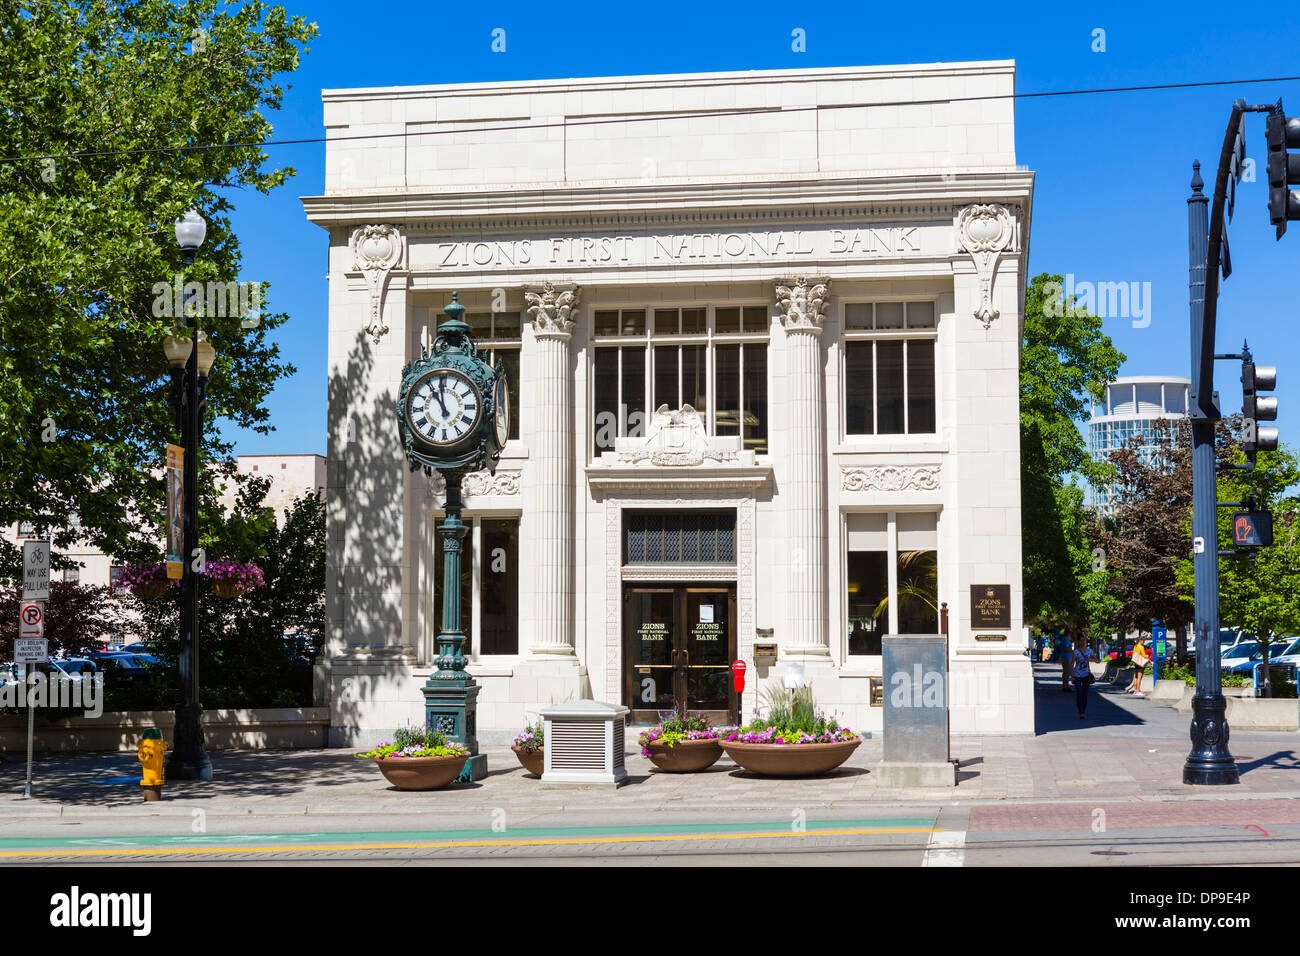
(126, 666)
(1291, 653)
(1247, 666)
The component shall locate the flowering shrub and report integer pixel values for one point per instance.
(675, 727)
(244, 575)
(531, 739)
(417, 742)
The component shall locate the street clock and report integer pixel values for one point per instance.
(453, 409)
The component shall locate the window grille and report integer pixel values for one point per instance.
(679, 537)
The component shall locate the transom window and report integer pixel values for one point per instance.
(889, 368)
(711, 358)
(679, 537)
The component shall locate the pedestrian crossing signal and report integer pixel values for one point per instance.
(1252, 529)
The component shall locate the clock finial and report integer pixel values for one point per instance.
(454, 327)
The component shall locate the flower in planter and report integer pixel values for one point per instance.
(674, 727)
(235, 574)
(416, 742)
(145, 580)
(532, 738)
(792, 718)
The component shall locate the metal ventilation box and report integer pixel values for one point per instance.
(584, 744)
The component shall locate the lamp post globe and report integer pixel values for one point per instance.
(191, 230)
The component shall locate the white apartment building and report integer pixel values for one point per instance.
(762, 332)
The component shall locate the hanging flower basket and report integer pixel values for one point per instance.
(148, 582)
(230, 579)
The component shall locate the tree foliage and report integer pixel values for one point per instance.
(254, 650)
(85, 238)
(78, 618)
(1065, 359)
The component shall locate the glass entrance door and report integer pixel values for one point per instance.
(679, 643)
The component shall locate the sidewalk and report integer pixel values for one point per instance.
(1129, 750)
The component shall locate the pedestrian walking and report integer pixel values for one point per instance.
(1083, 678)
(1140, 657)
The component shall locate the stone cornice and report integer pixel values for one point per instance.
(907, 194)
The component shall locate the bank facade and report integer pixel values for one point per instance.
(762, 335)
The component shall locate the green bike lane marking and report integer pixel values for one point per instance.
(883, 826)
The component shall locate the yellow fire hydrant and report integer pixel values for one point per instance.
(151, 751)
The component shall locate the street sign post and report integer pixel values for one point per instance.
(1159, 636)
(36, 570)
(31, 650)
(31, 619)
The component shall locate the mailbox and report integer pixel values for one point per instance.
(764, 655)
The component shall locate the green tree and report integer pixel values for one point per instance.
(96, 98)
(1065, 359)
(255, 649)
(1259, 591)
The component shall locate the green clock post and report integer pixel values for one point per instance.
(453, 411)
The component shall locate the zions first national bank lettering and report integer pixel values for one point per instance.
(865, 242)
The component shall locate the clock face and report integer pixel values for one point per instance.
(502, 417)
(443, 407)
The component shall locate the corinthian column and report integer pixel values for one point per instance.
(800, 302)
(551, 451)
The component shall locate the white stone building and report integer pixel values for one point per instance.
(817, 275)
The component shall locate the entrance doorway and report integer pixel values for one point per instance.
(678, 645)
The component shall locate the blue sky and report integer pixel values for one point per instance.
(1112, 169)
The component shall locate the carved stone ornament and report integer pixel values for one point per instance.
(890, 478)
(676, 438)
(376, 251)
(551, 310)
(476, 484)
(986, 231)
(801, 302)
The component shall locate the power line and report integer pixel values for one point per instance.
(648, 118)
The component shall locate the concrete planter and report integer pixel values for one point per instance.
(685, 756)
(1098, 669)
(1123, 677)
(1263, 713)
(534, 763)
(790, 760)
(420, 773)
(1167, 691)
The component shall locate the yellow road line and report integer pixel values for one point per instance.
(450, 844)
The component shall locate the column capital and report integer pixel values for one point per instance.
(802, 301)
(551, 309)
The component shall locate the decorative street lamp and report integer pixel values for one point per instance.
(190, 358)
(453, 412)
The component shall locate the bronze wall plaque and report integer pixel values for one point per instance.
(990, 637)
(877, 691)
(990, 606)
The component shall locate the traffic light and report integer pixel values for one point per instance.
(1256, 408)
(1283, 169)
(1252, 529)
